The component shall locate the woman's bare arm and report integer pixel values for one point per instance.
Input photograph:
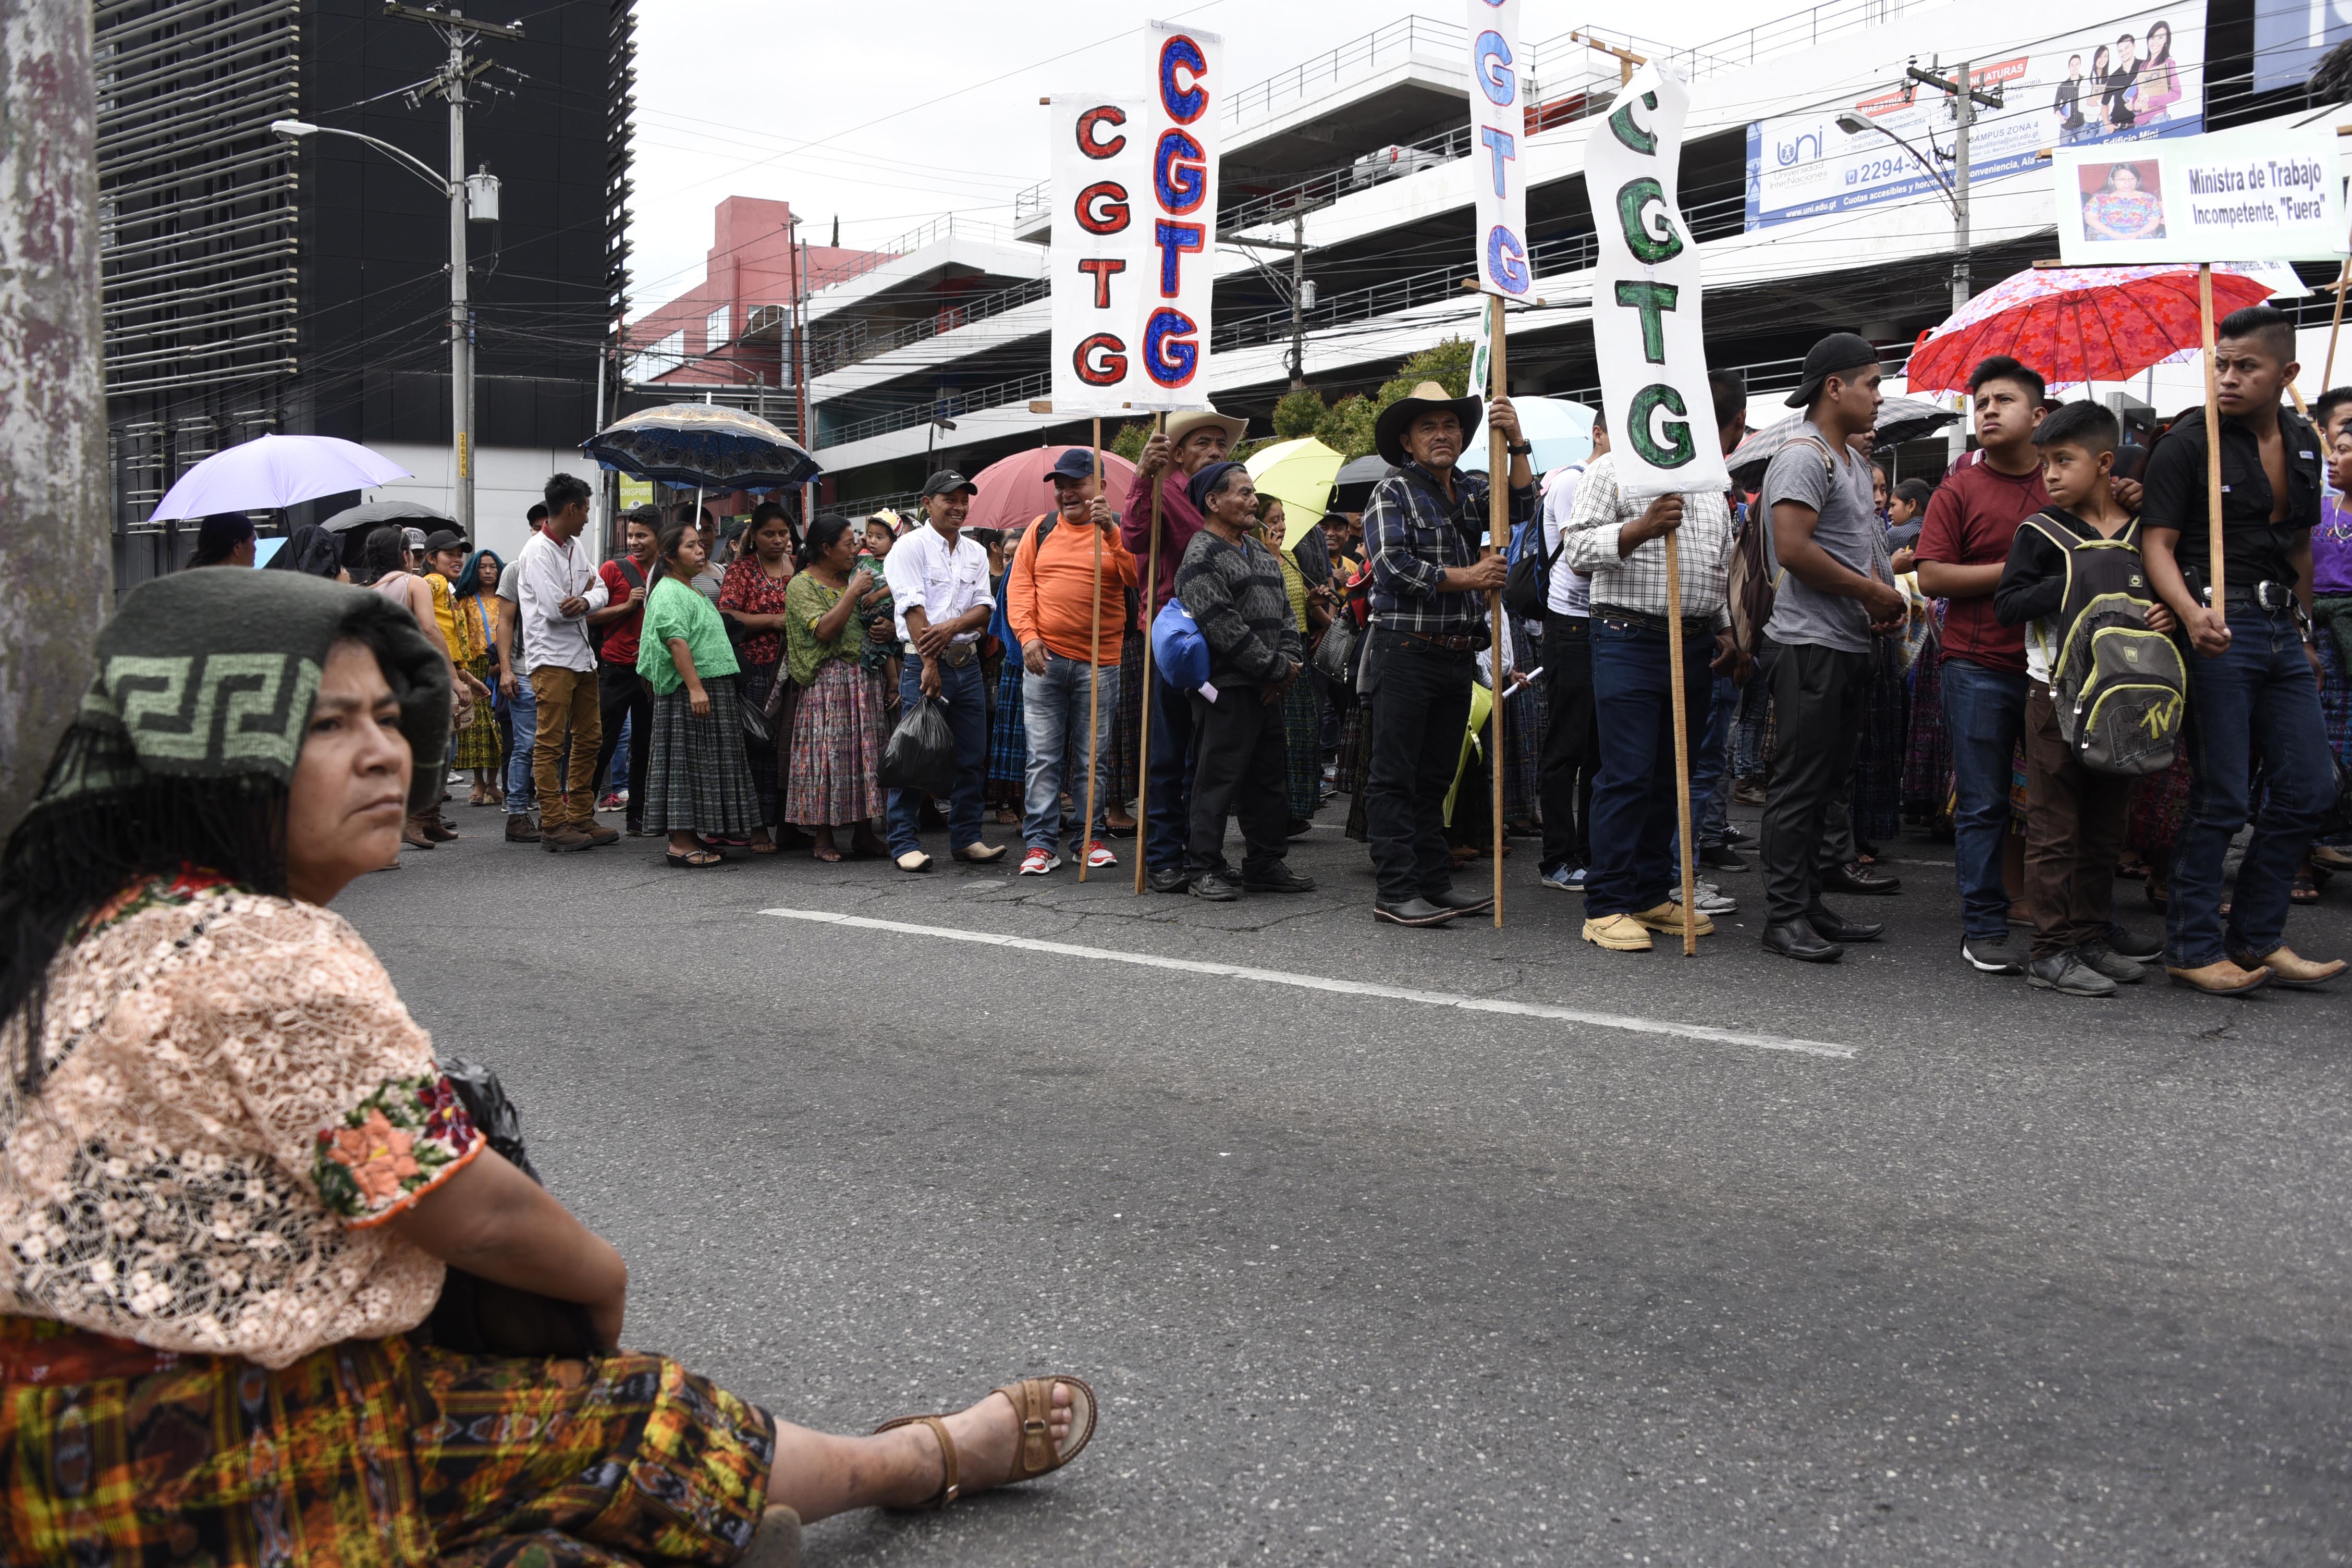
(492, 1220)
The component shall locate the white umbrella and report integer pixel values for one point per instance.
(274, 472)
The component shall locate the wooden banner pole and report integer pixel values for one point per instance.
(1498, 523)
(2335, 324)
(1143, 736)
(1682, 740)
(2212, 440)
(1094, 674)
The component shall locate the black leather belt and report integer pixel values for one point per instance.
(1693, 626)
(1450, 644)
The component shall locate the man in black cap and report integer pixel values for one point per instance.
(1825, 539)
(940, 591)
(1421, 530)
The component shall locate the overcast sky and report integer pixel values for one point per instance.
(889, 113)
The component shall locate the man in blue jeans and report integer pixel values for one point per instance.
(2253, 682)
(939, 593)
(1618, 539)
(523, 705)
(1065, 600)
(1971, 520)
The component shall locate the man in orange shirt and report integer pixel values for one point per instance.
(1050, 600)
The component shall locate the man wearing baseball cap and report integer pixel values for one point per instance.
(1833, 597)
(940, 594)
(1050, 602)
(1193, 441)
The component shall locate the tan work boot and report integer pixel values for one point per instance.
(1668, 918)
(2288, 968)
(1619, 934)
(2222, 978)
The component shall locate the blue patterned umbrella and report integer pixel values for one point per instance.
(703, 446)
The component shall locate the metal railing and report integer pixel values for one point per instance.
(1442, 42)
(1566, 253)
(947, 225)
(859, 341)
(944, 408)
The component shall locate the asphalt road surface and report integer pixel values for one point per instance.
(1462, 1246)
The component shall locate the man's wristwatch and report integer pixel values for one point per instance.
(1520, 450)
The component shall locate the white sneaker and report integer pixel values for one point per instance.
(1711, 900)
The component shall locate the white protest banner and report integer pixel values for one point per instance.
(1498, 119)
(1101, 250)
(1645, 296)
(1180, 129)
(2259, 193)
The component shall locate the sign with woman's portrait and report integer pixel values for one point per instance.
(2122, 202)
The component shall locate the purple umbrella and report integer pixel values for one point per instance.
(275, 472)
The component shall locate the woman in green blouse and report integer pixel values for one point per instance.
(837, 750)
(698, 779)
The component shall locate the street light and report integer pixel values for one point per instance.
(456, 189)
(1854, 125)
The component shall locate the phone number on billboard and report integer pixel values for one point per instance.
(1877, 169)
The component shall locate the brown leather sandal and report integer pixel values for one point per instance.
(1033, 1402)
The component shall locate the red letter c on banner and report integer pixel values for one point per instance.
(1108, 114)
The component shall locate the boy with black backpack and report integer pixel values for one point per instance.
(2106, 695)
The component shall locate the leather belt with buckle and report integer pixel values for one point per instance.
(1693, 626)
(958, 654)
(1450, 644)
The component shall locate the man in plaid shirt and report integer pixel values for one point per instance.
(1429, 591)
(1619, 542)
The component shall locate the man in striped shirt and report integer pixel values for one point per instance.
(1619, 542)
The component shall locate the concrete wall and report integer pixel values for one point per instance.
(508, 481)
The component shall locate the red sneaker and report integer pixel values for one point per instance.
(1037, 862)
(1098, 855)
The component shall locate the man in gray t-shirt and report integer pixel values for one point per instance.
(1831, 599)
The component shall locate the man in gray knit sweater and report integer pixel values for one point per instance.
(1232, 588)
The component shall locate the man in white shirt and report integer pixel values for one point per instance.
(1571, 740)
(522, 702)
(940, 596)
(556, 587)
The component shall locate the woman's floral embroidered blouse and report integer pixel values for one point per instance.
(236, 1102)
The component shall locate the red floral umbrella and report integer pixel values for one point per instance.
(2075, 324)
(1014, 492)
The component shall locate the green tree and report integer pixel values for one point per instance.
(1448, 364)
(1129, 442)
(1346, 426)
(1299, 413)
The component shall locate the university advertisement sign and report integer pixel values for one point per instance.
(2255, 193)
(2132, 80)
(1645, 296)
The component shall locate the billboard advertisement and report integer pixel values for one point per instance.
(2132, 80)
(2290, 35)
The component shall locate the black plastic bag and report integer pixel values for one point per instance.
(921, 752)
(481, 1317)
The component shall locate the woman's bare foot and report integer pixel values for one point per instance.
(986, 1437)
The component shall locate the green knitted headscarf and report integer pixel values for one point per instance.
(211, 674)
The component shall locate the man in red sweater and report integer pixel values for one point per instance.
(1050, 598)
(1194, 441)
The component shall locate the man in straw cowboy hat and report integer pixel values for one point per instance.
(1422, 533)
(1193, 440)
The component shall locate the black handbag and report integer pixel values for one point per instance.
(1335, 656)
(757, 731)
(481, 1317)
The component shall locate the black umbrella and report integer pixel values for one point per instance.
(1900, 419)
(702, 446)
(1351, 490)
(407, 513)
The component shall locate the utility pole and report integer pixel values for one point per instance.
(1298, 301)
(1966, 99)
(58, 571)
(458, 30)
(799, 371)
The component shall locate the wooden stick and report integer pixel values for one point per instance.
(2335, 324)
(1498, 522)
(1094, 676)
(1143, 738)
(1681, 742)
(2212, 439)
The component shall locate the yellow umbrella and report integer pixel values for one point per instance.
(1298, 474)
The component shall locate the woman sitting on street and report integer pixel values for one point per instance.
(231, 1173)
(836, 755)
(698, 781)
